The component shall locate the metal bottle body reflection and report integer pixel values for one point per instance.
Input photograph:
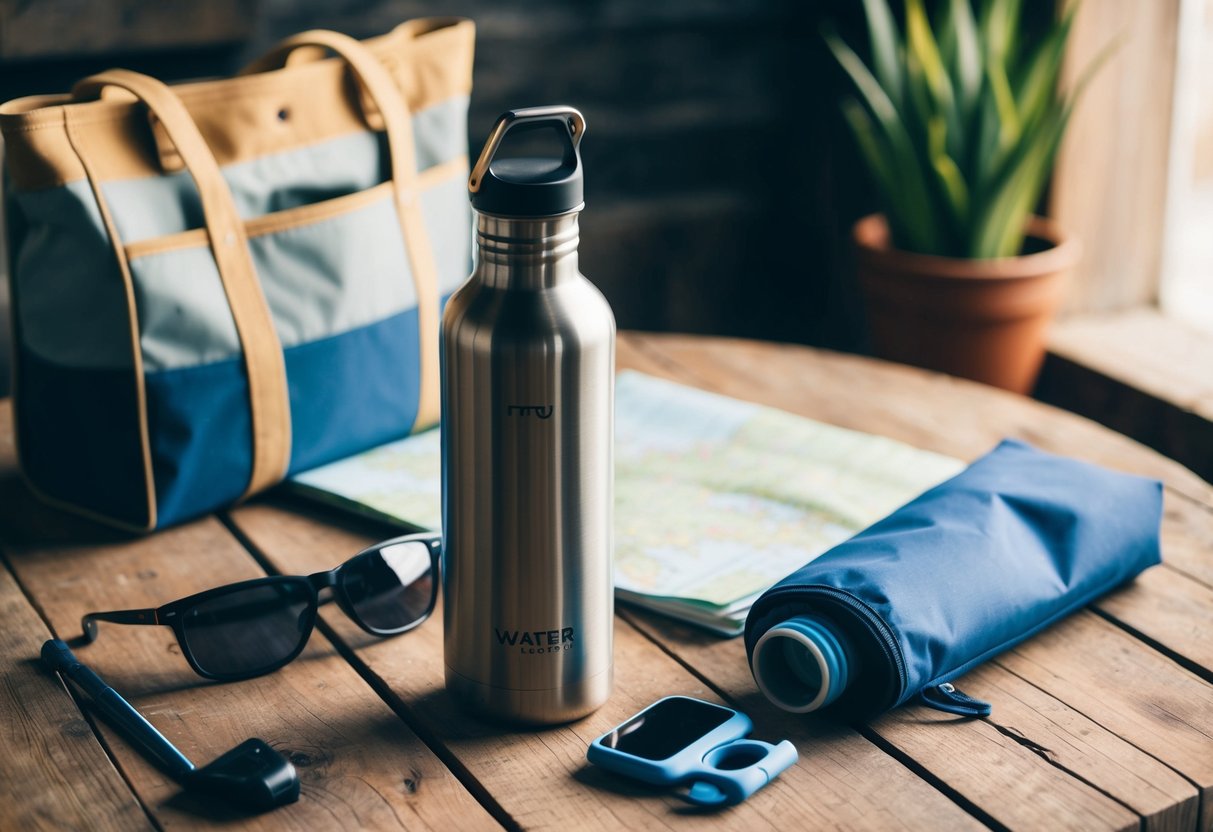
(528, 351)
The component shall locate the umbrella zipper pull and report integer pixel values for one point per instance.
(947, 698)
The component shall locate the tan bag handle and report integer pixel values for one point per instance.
(269, 402)
(381, 90)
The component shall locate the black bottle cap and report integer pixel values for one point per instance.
(530, 186)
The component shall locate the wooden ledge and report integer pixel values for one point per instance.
(1140, 373)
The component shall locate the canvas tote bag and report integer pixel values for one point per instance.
(218, 284)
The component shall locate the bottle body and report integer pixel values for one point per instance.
(528, 354)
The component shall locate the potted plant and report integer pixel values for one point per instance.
(959, 122)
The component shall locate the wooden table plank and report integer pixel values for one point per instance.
(360, 766)
(52, 761)
(1101, 671)
(540, 777)
(1046, 728)
(1166, 608)
(1187, 537)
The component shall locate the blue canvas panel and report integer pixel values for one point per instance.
(348, 392)
(85, 450)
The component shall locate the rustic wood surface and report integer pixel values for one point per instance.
(1105, 721)
(1141, 373)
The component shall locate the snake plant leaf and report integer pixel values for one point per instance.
(1000, 229)
(923, 51)
(875, 154)
(947, 173)
(1004, 101)
(921, 234)
(919, 105)
(883, 34)
(1001, 129)
(997, 26)
(966, 66)
(958, 118)
(945, 36)
(1038, 85)
(877, 157)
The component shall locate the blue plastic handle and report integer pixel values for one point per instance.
(715, 786)
(719, 768)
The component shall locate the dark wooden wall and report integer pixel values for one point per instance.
(720, 186)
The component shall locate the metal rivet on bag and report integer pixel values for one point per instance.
(284, 114)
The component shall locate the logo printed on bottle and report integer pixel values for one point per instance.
(543, 411)
(531, 642)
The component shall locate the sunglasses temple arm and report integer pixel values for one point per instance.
(89, 622)
(57, 656)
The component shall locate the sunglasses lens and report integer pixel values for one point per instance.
(250, 630)
(392, 587)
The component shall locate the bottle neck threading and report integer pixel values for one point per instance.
(526, 252)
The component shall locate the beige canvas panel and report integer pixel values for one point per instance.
(429, 60)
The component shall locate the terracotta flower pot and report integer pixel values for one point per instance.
(980, 319)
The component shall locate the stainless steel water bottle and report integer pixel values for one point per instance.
(528, 365)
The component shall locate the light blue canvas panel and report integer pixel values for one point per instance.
(440, 132)
(330, 277)
(155, 206)
(184, 318)
(448, 223)
(72, 301)
(320, 280)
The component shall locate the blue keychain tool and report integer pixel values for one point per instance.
(697, 745)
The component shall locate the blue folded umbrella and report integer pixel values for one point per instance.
(1016, 541)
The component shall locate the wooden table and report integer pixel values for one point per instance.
(1104, 721)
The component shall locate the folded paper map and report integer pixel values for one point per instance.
(715, 498)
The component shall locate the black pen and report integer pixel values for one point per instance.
(56, 655)
(252, 773)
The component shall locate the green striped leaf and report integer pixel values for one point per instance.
(999, 231)
(926, 52)
(1038, 86)
(885, 41)
(922, 235)
(959, 119)
(877, 157)
(966, 66)
(998, 26)
(948, 176)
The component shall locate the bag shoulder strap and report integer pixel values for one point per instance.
(380, 90)
(269, 401)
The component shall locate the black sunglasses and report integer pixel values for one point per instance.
(253, 627)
